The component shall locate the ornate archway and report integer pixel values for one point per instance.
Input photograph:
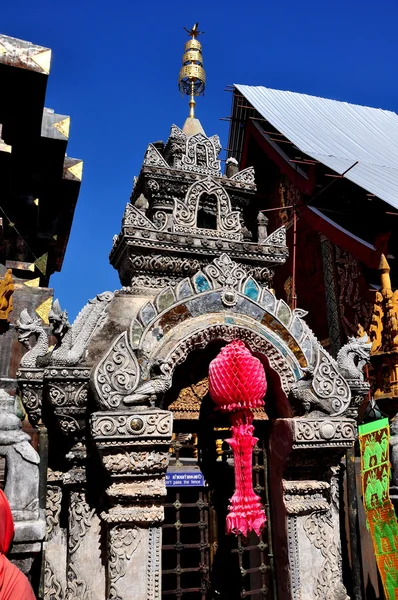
(219, 304)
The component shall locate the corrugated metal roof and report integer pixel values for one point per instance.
(337, 134)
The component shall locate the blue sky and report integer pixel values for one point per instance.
(115, 67)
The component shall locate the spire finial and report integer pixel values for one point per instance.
(384, 269)
(192, 78)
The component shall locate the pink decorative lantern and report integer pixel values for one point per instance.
(237, 384)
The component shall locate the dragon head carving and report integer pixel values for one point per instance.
(59, 321)
(353, 356)
(26, 326)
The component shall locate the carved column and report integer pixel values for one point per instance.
(55, 547)
(85, 570)
(305, 455)
(134, 451)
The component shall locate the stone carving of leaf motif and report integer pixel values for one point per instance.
(159, 219)
(117, 374)
(135, 218)
(225, 272)
(76, 588)
(53, 508)
(277, 238)
(329, 384)
(231, 222)
(124, 542)
(52, 587)
(245, 176)
(153, 158)
(31, 399)
(80, 518)
(184, 214)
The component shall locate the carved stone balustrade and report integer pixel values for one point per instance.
(134, 451)
(305, 457)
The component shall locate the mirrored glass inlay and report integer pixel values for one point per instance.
(147, 313)
(268, 300)
(201, 282)
(284, 313)
(165, 299)
(251, 289)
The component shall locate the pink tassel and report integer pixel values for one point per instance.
(245, 511)
(237, 384)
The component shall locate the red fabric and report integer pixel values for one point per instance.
(13, 583)
(237, 379)
(237, 383)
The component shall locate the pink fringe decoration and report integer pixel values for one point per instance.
(245, 511)
(237, 384)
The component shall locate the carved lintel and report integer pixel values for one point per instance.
(145, 488)
(136, 462)
(303, 497)
(144, 514)
(135, 428)
(318, 433)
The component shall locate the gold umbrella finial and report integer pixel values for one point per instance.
(192, 77)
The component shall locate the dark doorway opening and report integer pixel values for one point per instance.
(207, 212)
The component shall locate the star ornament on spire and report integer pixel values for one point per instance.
(194, 31)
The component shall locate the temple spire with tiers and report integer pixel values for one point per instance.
(384, 336)
(192, 78)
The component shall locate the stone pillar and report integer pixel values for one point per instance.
(262, 227)
(55, 547)
(134, 450)
(231, 167)
(305, 455)
(85, 569)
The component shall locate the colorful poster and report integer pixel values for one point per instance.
(380, 514)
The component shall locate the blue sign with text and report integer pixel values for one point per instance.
(185, 479)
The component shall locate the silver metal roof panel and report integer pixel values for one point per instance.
(337, 134)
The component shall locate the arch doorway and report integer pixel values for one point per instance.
(199, 561)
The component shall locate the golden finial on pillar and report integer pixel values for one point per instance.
(192, 78)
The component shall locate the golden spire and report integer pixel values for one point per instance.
(192, 78)
(384, 327)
